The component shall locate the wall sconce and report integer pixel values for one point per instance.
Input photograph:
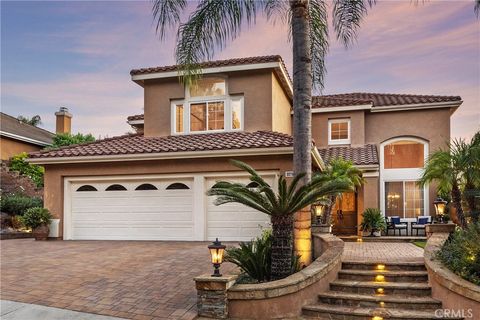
(216, 254)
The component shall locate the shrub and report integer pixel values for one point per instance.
(18, 204)
(36, 217)
(461, 253)
(34, 172)
(66, 139)
(254, 258)
(373, 220)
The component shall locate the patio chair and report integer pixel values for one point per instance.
(420, 224)
(396, 224)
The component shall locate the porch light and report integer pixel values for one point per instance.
(440, 205)
(318, 210)
(216, 253)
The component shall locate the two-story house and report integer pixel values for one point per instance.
(151, 185)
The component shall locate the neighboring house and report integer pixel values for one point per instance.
(151, 186)
(17, 137)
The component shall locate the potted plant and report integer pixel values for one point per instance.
(373, 221)
(37, 219)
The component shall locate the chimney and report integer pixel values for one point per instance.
(64, 120)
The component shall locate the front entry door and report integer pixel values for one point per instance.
(345, 215)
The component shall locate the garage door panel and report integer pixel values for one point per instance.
(124, 233)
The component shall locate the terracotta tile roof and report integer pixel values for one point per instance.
(138, 144)
(377, 99)
(135, 117)
(363, 155)
(213, 64)
(9, 124)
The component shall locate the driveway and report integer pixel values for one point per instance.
(129, 279)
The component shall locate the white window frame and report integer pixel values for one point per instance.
(399, 175)
(339, 141)
(188, 101)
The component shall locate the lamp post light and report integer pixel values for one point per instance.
(440, 206)
(216, 254)
(318, 209)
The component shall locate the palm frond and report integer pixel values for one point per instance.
(210, 27)
(477, 8)
(318, 41)
(167, 14)
(347, 16)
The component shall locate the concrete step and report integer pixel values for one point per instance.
(386, 275)
(333, 312)
(371, 301)
(381, 288)
(387, 266)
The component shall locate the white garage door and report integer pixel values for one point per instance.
(132, 210)
(231, 221)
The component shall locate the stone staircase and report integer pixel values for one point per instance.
(377, 291)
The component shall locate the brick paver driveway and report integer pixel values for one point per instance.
(130, 279)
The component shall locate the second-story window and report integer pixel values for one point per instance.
(207, 107)
(339, 131)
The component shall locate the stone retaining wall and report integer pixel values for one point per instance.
(285, 298)
(456, 294)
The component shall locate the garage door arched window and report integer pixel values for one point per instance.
(116, 187)
(146, 186)
(178, 186)
(87, 187)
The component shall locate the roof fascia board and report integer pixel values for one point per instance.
(243, 67)
(345, 108)
(406, 107)
(24, 139)
(165, 155)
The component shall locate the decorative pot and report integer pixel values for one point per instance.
(41, 233)
(377, 233)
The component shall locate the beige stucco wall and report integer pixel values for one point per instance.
(432, 125)
(10, 147)
(320, 126)
(55, 174)
(281, 109)
(260, 89)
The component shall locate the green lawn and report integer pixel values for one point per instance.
(420, 244)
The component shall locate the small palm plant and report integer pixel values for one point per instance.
(280, 205)
(373, 221)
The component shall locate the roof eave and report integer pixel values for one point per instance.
(418, 106)
(25, 139)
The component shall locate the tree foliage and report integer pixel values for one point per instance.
(66, 139)
(33, 121)
(18, 163)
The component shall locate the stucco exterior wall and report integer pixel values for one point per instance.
(55, 174)
(10, 147)
(281, 109)
(320, 126)
(259, 88)
(432, 125)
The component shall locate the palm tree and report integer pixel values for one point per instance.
(346, 170)
(280, 205)
(453, 169)
(33, 121)
(215, 22)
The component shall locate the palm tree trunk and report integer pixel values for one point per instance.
(282, 246)
(457, 203)
(302, 89)
(327, 217)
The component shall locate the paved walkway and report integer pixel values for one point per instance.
(127, 279)
(382, 251)
(11, 310)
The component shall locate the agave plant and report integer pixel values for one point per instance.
(280, 205)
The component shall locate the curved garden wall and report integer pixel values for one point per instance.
(285, 298)
(456, 293)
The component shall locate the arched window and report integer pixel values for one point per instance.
(146, 186)
(116, 187)
(177, 186)
(87, 187)
(401, 154)
(252, 185)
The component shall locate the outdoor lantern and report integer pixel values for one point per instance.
(440, 205)
(216, 253)
(318, 210)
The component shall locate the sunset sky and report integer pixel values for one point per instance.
(79, 55)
